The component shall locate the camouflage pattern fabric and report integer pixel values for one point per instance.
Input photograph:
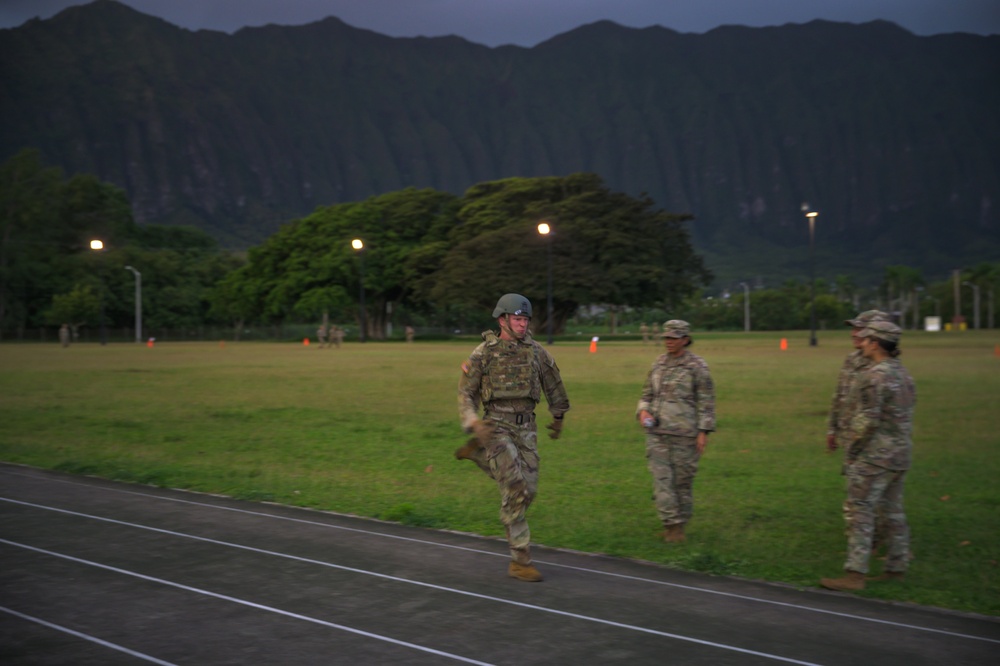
(673, 462)
(872, 491)
(507, 378)
(680, 394)
(882, 428)
(845, 398)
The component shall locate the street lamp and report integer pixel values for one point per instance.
(359, 247)
(975, 303)
(98, 246)
(811, 216)
(746, 306)
(138, 303)
(545, 230)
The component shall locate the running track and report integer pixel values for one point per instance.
(95, 572)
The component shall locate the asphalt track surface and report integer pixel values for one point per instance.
(96, 572)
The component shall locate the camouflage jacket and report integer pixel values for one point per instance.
(882, 428)
(509, 376)
(845, 397)
(680, 394)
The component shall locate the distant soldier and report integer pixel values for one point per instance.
(507, 374)
(878, 457)
(337, 334)
(644, 329)
(677, 410)
(409, 334)
(64, 335)
(321, 336)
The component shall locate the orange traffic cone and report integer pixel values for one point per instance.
(593, 345)
(305, 341)
(784, 344)
(149, 343)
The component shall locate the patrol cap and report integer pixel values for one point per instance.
(676, 328)
(882, 330)
(867, 316)
(514, 304)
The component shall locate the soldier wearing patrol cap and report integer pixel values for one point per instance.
(843, 407)
(677, 409)
(878, 457)
(507, 374)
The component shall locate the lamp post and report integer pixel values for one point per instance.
(975, 303)
(746, 306)
(811, 216)
(138, 303)
(359, 247)
(545, 230)
(98, 246)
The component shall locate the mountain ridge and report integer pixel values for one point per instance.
(888, 134)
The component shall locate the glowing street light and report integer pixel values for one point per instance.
(811, 216)
(98, 246)
(545, 230)
(359, 247)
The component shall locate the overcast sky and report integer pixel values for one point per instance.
(528, 22)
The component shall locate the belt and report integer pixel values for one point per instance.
(516, 418)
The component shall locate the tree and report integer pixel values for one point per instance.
(607, 248)
(77, 307)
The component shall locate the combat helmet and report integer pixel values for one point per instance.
(513, 304)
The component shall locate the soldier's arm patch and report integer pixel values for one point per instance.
(465, 367)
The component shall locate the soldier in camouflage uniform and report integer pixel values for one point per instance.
(843, 407)
(677, 409)
(508, 373)
(878, 457)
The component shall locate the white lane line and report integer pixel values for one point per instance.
(244, 602)
(396, 579)
(690, 588)
(87, 637)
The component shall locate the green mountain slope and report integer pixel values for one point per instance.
(894, 138)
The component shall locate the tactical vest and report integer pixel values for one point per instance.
(510, 372)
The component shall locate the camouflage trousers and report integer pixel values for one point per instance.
(874, 491)
(511, 460)
(673, 462)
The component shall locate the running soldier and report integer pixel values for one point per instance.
(507, 374)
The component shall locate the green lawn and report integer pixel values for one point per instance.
(370, 430)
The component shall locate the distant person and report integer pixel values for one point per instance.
(321, 336)
(644, 329)
(507, 374)
(677, 410)
(337, 333)
(878, 457)
(409, 334)
(64, 335)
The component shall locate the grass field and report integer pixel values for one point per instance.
(370, 430)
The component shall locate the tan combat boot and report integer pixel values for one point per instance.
(525, 572)
(674, 534)
(852, 581)
(468, 450)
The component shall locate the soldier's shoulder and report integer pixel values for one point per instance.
(696, 361)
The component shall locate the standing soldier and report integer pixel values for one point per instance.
(321, 335)
(844, 400)
(337, 333)
(644, 329)
(409, 334)
(677, 409)
(64, 335)
(508, 373)
(878, 456)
